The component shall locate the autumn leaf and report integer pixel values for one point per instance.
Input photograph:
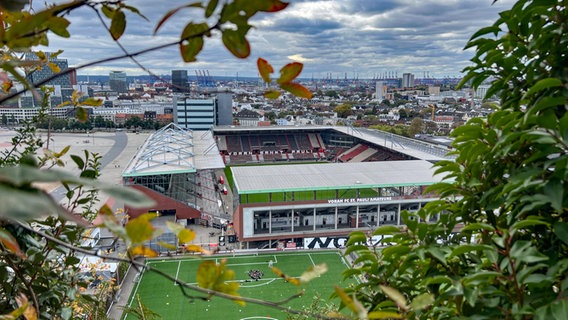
(9, 242)
(265, 69)
(297, 90)
(271, 94)
(289, 72)
(142, 251)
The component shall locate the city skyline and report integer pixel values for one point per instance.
(353, 39)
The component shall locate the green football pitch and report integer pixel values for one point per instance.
(165, 298)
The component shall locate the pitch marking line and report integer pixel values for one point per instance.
(310, 256)
(177, 272)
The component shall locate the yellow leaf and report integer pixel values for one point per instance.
(186, 236)
(143, 251)
(167, 245)
(353, 304)
(196, 248)
(10, 243)
(313, 272)
(93, 102)
(384, 315)
(54, 68)
(6, 86)
(271, 94)
(297, 90)
(395, 296)
(265, 69)
(140, 229)
(289, 72)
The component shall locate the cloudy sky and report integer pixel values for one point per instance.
(353, 38)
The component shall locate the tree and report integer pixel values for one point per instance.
(498, 248)
(416, 127)
(38, 263)
(343, 110)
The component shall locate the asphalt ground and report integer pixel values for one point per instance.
(117, 150)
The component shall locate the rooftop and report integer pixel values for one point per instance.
(172, 150)
(327, 176)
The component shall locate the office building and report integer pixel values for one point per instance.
(408, 80)
(380, 91)
(117, 81)
(203, 114)
(179, 81)
(41, 74)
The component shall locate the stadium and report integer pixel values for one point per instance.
(277, 187)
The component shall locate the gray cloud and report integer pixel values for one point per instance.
(331, 36)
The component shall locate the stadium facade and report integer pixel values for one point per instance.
(289, 186)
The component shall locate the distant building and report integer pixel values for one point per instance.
(481, 91)
(202, 114)
(224, 111)
(380, 91)
(45, 72)
(179, 81)
(117, 81)
(408, 80)
(248, 118)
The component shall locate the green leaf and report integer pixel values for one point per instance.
(422, 301)
(395, 296)
(58, 25)
(81, 114)
(542, 85)
(236, 43)
(78, 160)
(528, 223)
(356, 237)
(386, 230)
(192, 40)
(561, 231)
(117, 25)
(129, 196)
(211, 6)
(265, 69)
(465, 248)
(297, 89)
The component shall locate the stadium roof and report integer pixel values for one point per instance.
(330, 176)
(172, 150)
(412, 147)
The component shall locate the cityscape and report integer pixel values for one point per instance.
(393, 169)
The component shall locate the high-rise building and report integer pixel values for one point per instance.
(202, 114)
(380, 91)
(117, 81)
(408, 80)
(179, 81)
(40, 74)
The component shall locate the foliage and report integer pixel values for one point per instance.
(499, 245)
(343, 110)
(40, 239)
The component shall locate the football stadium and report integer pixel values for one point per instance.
(283, 187)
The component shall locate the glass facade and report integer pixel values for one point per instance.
(294, 213)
